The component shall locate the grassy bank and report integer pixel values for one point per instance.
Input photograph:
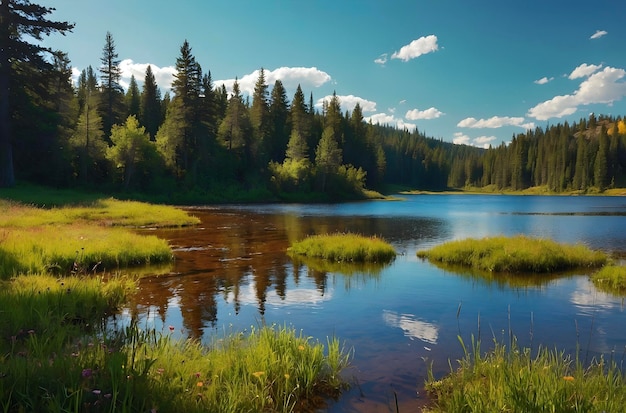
(57, 356)
(610, 278)
(515, 254)
(344, 247)
(521, 380)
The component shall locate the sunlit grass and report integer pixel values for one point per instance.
(611, 278)
(520, 380)
(104, 212)
(77, 248)
(268, 369)
(515, 254)
(344, 247)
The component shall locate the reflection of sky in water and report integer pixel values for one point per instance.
(412, 326)
(298, 296)
(590, 301)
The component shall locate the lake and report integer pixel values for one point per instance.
(232, 273)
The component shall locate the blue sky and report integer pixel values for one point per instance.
(472, 72)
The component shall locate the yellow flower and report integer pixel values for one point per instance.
(258, 374)
(301, 347)
(287, 375)
(568, 378)
(199, 384)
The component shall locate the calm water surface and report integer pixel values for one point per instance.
(232, 273)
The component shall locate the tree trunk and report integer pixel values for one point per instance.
(7, 177)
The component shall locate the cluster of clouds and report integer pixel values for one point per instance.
(599, 84)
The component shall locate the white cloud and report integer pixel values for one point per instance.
(413, 327)
(163, 75)
(461, 139)
(482, 141)
(493, 122)
(381, 60)
(598, 34)
(584, 70)
(430, 113)
(291, 77)
(543, 80)
(416, 48)
(348, 102)
(603, 87)
(389, 120)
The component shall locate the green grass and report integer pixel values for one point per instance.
(515, 254)
(344, 248)
(103, 212)
(610, 278)
(77, 248)
(520, 380)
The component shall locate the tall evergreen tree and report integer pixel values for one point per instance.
(279, 122)
(182, 131)
(259, 118)
(328, 156)
(112, 92)
(150, 115)
(20, 19)
(133, 98)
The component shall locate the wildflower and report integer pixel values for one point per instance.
(197, 374)
(199, 384)
(96, 391)
(568, 378)
(160, 370)
(171, 328)
(258, 374)
(301, 347)
(108, 396)
(287, 376)
(87, 373)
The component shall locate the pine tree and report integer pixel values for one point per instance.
(328, 156)
(19, 19)
(133, 98)
(601, 164)
(279, 122)
(150, 115)
(112, 92)
(259, 118)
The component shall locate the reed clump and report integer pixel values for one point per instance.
(515, 254)
(519, 380)
(610, 278)
(344, 247)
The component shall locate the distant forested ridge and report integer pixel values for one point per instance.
(201, 140)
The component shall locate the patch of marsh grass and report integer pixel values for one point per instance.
(77, 248)
(610, 278)
(268, 369)
(344, 247)
(515, 254)
(518, 380)
(104, 212)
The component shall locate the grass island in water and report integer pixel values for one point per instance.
(344, 247)
(515, 254)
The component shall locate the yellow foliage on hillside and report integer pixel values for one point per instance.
(621, 128)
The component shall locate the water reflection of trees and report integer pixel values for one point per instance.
(233, 249)
(505, 280)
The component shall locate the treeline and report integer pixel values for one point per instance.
(201, 142)
(589, 154)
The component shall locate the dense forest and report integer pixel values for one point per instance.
(198, 141)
